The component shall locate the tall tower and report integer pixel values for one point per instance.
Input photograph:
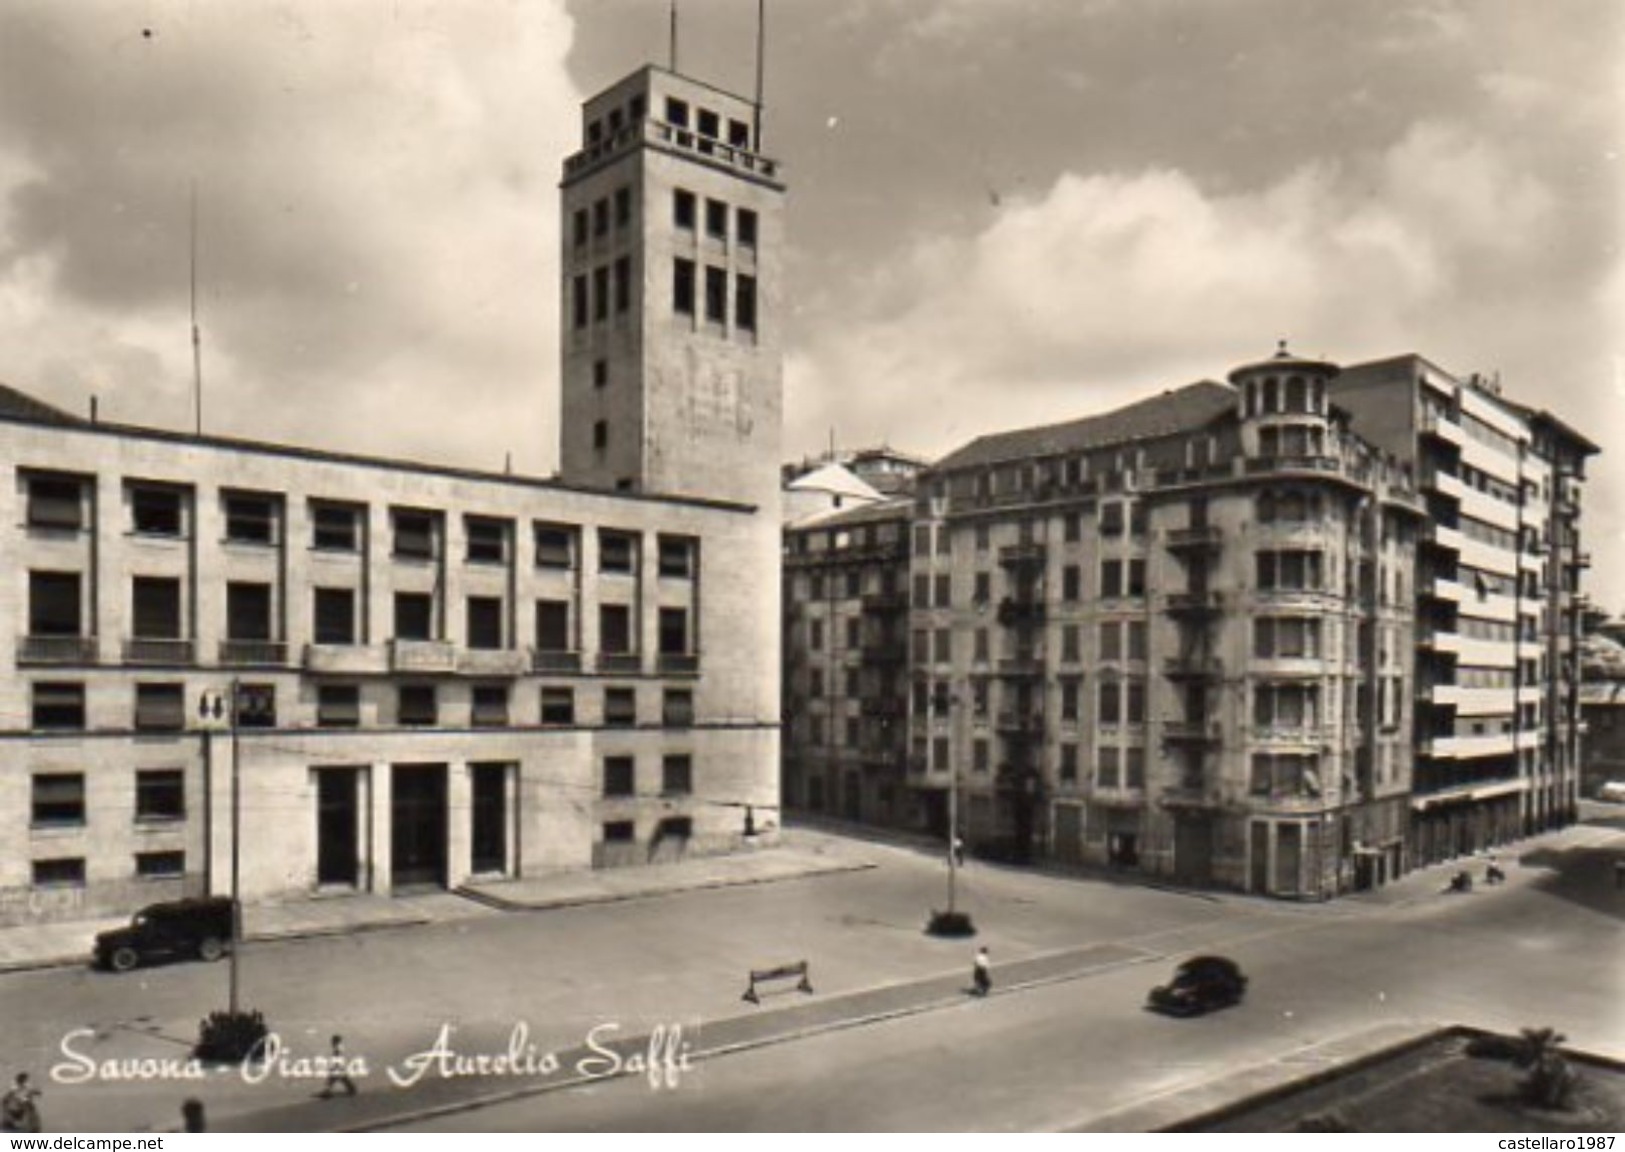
(672, 373)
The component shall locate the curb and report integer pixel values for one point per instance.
(492, 900)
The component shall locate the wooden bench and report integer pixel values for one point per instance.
(782, 972)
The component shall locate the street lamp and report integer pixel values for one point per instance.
(213, 706)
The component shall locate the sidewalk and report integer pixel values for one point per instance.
(68, 943)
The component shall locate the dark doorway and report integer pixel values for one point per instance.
(336, 821)
(1193, 850)
(418, 824)
(490, 815)
(1069, 833)
(1260, 850)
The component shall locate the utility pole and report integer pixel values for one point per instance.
(213, 707)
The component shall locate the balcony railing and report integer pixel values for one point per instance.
(345, 659)
(144, 650)
(1022, 664)
(256, 652)
(1193, 603)
(548, 661)
(678, 663)
(620, 663)
(1193, 667)
(1021, 555)
(1191, 732)
(1206, 536)
(1016, 722)
(492, 662)
(56, 650)
(881, 602)
(422, 656)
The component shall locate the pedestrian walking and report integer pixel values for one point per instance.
(338, 1069)
(959, 850)
(19, 1111)
(982, 973)
(192, 1115)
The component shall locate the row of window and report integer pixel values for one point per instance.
(69, 871)
(60, 501)
(685, 283)
(597, 221)
(684, 207)
(620, 776)
(591, 295)
(55, 611)
(162, 707)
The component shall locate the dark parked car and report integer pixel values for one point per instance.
(198, 927)
(1199, 984)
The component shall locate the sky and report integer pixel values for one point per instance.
(1001, 212)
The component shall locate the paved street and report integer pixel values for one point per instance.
(1544, 949)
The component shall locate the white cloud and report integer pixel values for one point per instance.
(1110, 284)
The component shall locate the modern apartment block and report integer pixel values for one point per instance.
(417, 674)
(1206, 636)
(1499, 604)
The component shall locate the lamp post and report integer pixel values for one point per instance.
(214, 707)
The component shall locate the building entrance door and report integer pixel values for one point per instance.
(1193, 850)
(336, 820)
(1069, 833)
(418, 824)
(489, 833)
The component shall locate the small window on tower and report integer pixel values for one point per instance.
(745, 228)
(623, 284)
(682, 208)
(578, 302)
(595, 132)
(623, 207)
(600, 373)
(745, 303)
(676, 112)
(710, 124)
(716, 219)
(738, 133)
(716, 295)
(578, 229)
(600, 435)
(682, 287)
(600, 293)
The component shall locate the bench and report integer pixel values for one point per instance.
(782, 972)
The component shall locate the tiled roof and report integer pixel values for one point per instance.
(1177, 410)
(15, 405)
(867, 514)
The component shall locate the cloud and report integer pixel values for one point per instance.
(1112, 283)
(377, 217)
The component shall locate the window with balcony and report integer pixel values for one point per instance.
(56, 502)
(58, 706)
(1290, 571)
(248, 613)
(155, 608)
(558, 706)
(417, 705)
(335, 527)
(485, 622)
(160, 707)
(490, 706)
(1286, 705)
(251, 517)
(676, 775)
(1286, 637)
(615, 636)
(334, 616)
(160, 795)
(553, 632)
(617, 552)
(620, 776)
(58, 799)
(414, 616)
(338, 705)
(416, 533)
(54, 604)
(674, 632)
(620, 707)
(157, 510)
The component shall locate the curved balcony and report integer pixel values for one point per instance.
(1022, 555)
(1203, 538)
(1199, 666)
(1202, 603)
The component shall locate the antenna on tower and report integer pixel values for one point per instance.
(197, 336)
(674, 35)
(761, 53)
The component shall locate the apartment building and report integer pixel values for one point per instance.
(411, 674)
(1498, 575)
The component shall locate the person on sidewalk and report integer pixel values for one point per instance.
(19, 1111)
(338, 1069)
(192, 1117)
(982, 973)
(959, 851)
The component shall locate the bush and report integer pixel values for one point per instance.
(1494, 1046)
(1551, 1081)
(230, 1038)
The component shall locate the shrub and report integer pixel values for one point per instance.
(1551, 1081)
(230, 1038)
(950, 924)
